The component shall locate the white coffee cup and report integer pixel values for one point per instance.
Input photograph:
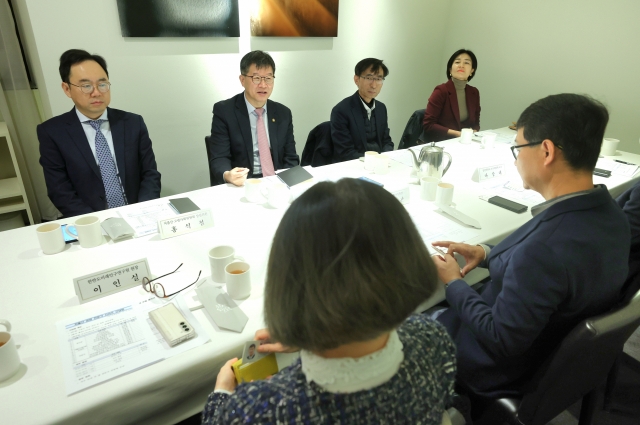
(380, 164)
(219, 257)
(277, 194)
(50, 238)
(488, 139)
(238, 278)
(466, 135)
(368, 159)
(444, 193)
(9, 358)
(253, 190)
(609, 146)
(89, 231)
(428, 188)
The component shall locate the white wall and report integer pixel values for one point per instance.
(173, 83)
(530, 49)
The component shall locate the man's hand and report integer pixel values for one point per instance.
(270, 347)
(226, 378)
(237, 176)
(448, 268)
(473, 254)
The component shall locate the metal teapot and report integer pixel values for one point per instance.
(429, 162)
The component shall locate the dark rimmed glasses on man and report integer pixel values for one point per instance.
(87, 88)
(516, 152)
(158, 289)
(372, 79)
(257, 79)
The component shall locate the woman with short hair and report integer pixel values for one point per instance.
(454, 105)
(346, 271)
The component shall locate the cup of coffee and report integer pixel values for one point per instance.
(428, 188)
(609, 146)
(488, 139)
(444, 193)
(219, 257)
(465, 135)
(277, 194)
(9, 358)
(50, 238)
(238, 279)
(89, 231)
(253, 190)
(369, 159)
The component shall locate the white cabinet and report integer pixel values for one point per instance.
(12, 194)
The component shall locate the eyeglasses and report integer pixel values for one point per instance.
(158, 290)
(87, 88)
(517, 152)
(257, 79)
(370, 79)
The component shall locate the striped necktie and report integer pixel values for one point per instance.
(263, 147)
(112, 187)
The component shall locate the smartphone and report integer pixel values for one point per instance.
(602, 173)
(70, 233)
(367, 179)
(507, 204)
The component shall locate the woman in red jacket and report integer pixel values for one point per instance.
(454, 105)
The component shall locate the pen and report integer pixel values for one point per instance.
(622, 162)
(441, 252)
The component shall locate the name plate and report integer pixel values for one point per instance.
(489, 172)
(185, 223)
(109, 281)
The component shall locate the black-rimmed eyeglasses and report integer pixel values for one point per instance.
(158, 289)
(257, 79)
(371, 79)
(516, 152)
(87, 88)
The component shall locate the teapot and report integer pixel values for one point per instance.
(429, 162)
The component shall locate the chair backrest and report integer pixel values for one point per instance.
(318, 150)
(580, 364)
(207, 143)
(413, 132)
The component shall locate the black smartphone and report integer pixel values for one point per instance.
(602, 173)
(508, 205)
(69, 232)
(183, 205)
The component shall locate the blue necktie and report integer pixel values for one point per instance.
(112, 187)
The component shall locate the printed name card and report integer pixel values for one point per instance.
(489, 172)
(185, 223)
(109, 281)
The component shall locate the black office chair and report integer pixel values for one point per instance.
(319, 148)
(575, 370)
(207, 143)
(413, 134)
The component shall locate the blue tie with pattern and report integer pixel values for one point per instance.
(112, 187)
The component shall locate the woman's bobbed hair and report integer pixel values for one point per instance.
(346, 264)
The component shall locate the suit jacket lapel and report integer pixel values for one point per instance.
(379, 122)
(273, 132)
(242, 115)
(453, 100)
(116, 122)
(356, 110)
(79, 139)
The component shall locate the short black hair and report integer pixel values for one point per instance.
(374, 64)
(573, 122)
(474, 63)
(252, 345)
(258, 58)
(346, 264)
(74, 56)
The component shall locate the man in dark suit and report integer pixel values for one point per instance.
(551, 273)
(359, 122)
(95, 157)
(251, 136)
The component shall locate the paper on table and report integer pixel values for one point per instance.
(501, 137)
(512, 190)
(434, 227)
(143, 218)
(617, 168)
(101, 345)
(403, 156)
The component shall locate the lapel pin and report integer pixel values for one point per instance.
(273, 120)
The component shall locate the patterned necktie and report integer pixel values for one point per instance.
(107, 166)
(263, 147)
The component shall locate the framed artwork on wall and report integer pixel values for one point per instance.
(294, 18)
(179, 18)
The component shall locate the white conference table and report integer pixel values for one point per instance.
(36, 291)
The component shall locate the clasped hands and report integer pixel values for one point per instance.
(236, 176)
(227, 379)
(447, 266)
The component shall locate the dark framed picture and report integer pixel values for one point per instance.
(294, 18)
